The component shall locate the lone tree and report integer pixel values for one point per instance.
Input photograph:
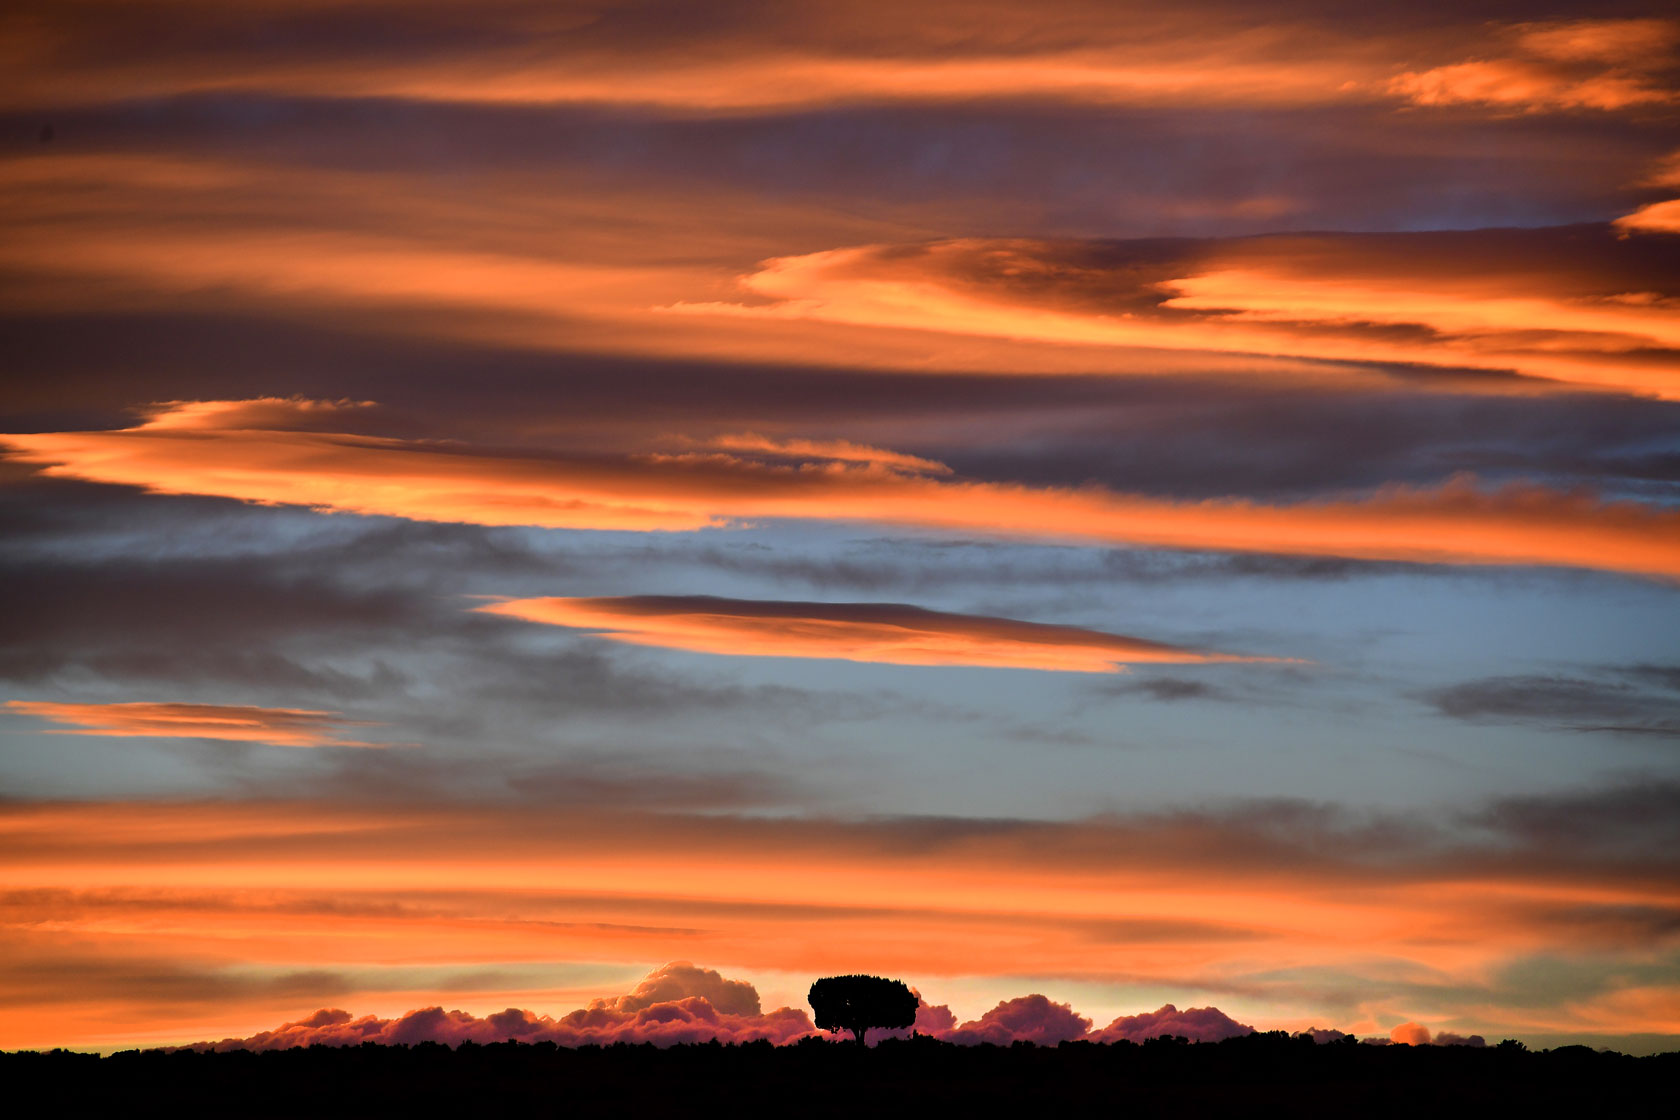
(856, 1003)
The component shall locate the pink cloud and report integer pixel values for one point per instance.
(1448, 1038)
(1198, 1024)
(1322, 1034)
(1031, 1018)
(935, 1020)
(675, 1004)
(682, 1003)
(681, 980)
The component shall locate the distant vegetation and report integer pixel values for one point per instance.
(1254, 1075)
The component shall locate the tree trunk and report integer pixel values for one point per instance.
(858, 1033)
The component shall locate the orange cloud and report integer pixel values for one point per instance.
(1656, 217)
(122, 920)
(1583, 64)
(779, 59)
(565, 259)
(888, 633)
(1474, 300)
(1456, 523)
(790, 59)
(282, 727)
(576, 271)
(1411, 1034)
(841, 451)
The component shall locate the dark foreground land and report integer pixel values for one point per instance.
(1263, 1074)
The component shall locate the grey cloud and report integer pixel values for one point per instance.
(30, 978)
(625, 779)
(1566, 703)
(1166, 689)
(1641, 816)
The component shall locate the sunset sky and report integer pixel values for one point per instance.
(1125, 504)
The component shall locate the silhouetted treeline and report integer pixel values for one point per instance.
(1259, 1074)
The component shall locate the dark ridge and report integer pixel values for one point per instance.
(1257, 1075)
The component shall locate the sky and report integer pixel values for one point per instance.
(574, 520)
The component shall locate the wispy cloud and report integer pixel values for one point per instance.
(1565, 702)
(767, 58)
(1578, 307)
(1590, 64)
(283, 727)
(890, 633)
(340, 472)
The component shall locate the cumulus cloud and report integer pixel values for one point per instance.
(1455, 523)
(1198, 1024)
(1322, 1034)
(681, 980)
(284, 727)
(1410, 1034)
(1033, 1018)
(681, 1003)
(1038, 1019)
(1448, 1038)
(678, 1003)
(890, 633)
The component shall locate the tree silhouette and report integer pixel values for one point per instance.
(857, 1003)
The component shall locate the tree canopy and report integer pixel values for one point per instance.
(857, 1003)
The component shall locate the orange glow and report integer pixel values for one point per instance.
(1658, 217)
(282, 727)
(795, 59)
(600, 273)
(880, 632)
(1456, 523)
(1318, 298)
(840, 451)
(100, 892)
(1584, 64)
(802, 57)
